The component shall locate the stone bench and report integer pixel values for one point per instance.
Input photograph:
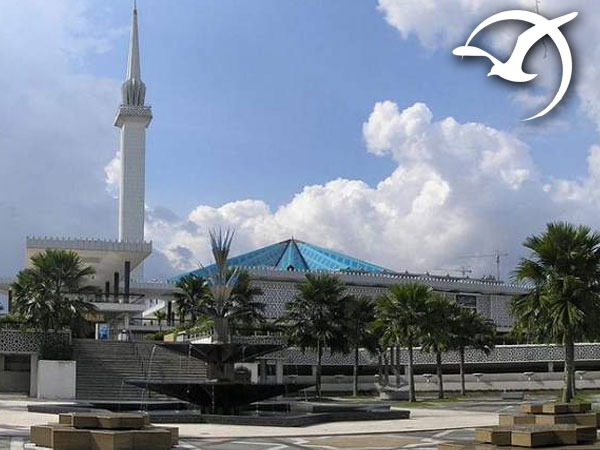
(555, 408)
(536, 435)
(559, 426)
(475, 445)
(104, 431)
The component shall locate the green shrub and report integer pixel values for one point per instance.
(158, 336)
(56, 348)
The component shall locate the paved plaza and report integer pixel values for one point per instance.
(420, 441)
(426, 428)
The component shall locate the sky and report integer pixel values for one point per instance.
(347, 124)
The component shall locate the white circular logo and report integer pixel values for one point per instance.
(512, 69)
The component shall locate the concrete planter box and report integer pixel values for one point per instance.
(56, 379)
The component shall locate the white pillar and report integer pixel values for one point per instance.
(133, 117)
(132, 189)
(279, 371)
(33, 375)
(263, 371)
(133, 121)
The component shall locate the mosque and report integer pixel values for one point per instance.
(127, 304)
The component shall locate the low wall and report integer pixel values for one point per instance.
(500, 382)
(56, 379)
(17, 341)
(501, 354)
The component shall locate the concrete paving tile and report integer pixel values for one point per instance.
(361, 442)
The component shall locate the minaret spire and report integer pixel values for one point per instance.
(133, 117)
(134, 90)
(133, 64)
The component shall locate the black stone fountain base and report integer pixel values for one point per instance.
(222, 397)
(282, 413)
(287, 413)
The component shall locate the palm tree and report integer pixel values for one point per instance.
(194, 291)
(52, 294)
(360, 316)
(229, 301)
(316, 317)
(436, 332)
(243, 296)
(160, 316)
(399, 315)
(470, 329)
(563, 305)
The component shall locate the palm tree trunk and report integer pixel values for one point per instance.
(461, 364)
(569, 387)
(398, 366)
(220, 330)
(438, 368)
(318, 374)
(411, 379)
(355, 373)
(386, 368)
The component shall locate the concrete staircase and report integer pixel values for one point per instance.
(103, 367)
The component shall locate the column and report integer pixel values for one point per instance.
(263, 371)
(279, 371)
(33, 375)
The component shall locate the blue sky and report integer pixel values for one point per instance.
(258, 99)
(328, 120)
(262, 98)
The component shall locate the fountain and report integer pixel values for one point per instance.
(221, 398)
(220, 392)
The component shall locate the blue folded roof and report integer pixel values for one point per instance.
(297, 255)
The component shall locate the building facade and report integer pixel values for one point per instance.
(277, 269)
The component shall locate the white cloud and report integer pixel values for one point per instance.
(583, 192)
(112, 175)
(431, 21)
(528, 99)
(459, 188)
(411, 135)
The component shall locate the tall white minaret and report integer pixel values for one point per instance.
(133, 117)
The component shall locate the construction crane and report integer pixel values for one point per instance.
(497, 255)
(464, 271)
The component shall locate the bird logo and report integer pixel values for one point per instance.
(512, 69)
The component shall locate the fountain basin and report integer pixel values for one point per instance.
(218, 397)
(287, 413)
(281, 413)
